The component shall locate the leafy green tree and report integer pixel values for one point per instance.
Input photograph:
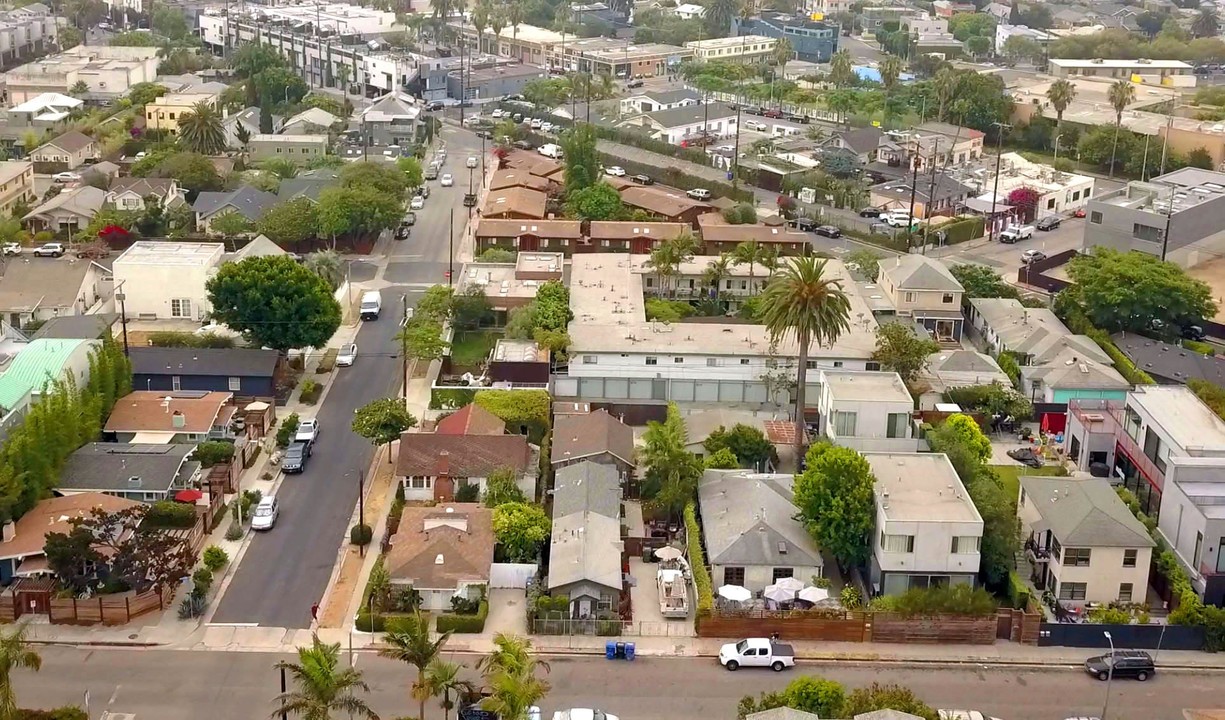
(521, 530)
(967, 25)
(230, 225)
(1200, 158)
(980, 281)
(750, 446)
(497, 255)
(146, 92)
(835, 499)
(886, 697)
(15, 654)
(595, 202)
(411, 643)
(1061, 93)
(79, 89)
(668, 311)
(865, 262)
(962, 430)
(289, 222)
(414, 176)
(193, 171)
(580, 157)
(1206, 24)
(817, 695)
(471, 309)
(804, 303)
(553, 306)
(274, 302)
(900, 349)
(722, 459)
(170, 22)
(322, 686)
(70, 37)
(280, 87)
(502, 487)
(383, 421)
(437, 304)
(672, 472)
(392, 181)
(422, 339)
(1127, 291)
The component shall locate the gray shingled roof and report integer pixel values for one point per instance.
(248, 201)
(77, 327)
(745, 515)
(690, 114)
(1170, 362)
(126, 467)
(1084, 512)
(587, 486)
(224, 362)
(916, 272)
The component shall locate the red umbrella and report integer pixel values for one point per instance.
(188, 496)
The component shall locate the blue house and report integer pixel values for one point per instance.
(812, 40)
(242, 371)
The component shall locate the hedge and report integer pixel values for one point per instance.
(697, 560)
(68, 712)
(1202, 348)
(450, 399)
(963, 230)
(328, 361)
(311, 391)
(465, 623)
(1018, 593)
(171, 514)
(526, 408)
(1009, 365)
(370, 623)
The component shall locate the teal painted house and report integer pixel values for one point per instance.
(1073, 377)
(39, 364)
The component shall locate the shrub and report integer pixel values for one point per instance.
(1109, 615)
(361, 534)
(1202, 348)
(328, 361)
(202, 578)
(697, 561)
(1018, 593)
(215, 558)
(171, 338)
(234, 532)
(192, 606)
(468, 492)
(370, 623)
(851, 598)
(214, 452)
(465, 623)
(1009, 365)
(286, 431)
(171, 514)
(520, 409)
(311, 391)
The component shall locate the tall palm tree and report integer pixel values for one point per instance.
(804, 302)
(1206, 23)
(15, 654)
(512, 694)
(667, 257)
(1061, 93)
(890, 71)
(1122, 93)
(719, 15)
(945, 84)
(514, 15)
(410, 643)
(748, 253)
(201, 130)
(717, 271)
(327, 265)
(480, 21)
(511, 653)
(322, 686)
(442, 10)
(784, 52)
(841, 70)
(442, 680)
(497, 22)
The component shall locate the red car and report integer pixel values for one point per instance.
(1080, 213)
(773, 113)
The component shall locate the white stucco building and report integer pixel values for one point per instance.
(166, 279)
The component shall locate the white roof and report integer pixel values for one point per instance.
(1140, 65)
(290, 139)
(854, 386)
(920, 487)
(1188, 421)
(148, 252)
(48, 100)
(729, 42)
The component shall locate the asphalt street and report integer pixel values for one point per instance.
(190, 685)
(286, 570)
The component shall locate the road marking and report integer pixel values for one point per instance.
(234, 625)
(114, 696)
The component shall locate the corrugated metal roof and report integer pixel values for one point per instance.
(40, 362)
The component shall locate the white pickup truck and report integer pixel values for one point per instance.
(1017, 232)
(757, 652)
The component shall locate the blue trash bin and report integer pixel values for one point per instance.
(610, 650)
(629, 651)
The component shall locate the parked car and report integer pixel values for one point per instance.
(803, 223)
(522, 145)
(65, 177)
(347, 355)
(422, 190)
(773, 113)
(699, 194)
(1050, 222)
(829, 231)
(469, 199)
(798, 118)
(433, 105)
(643, 179)
(632, 84)
(52, 249)
(447, 180)
(265, 514)
(615, 171)
(403, 232)
(869, 212)
(471, 162)
(1079, 213)
(757, 652)
(1015, 233)
(1122, 664)
(409, 219)
(308, 431)
(1032, 256)
(898, 220)
(583, 713)
(10, 248)
(756, 125)
(295, 458)
(1193, 332)
(431, 172)
(418, 203)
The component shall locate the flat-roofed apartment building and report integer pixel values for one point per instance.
(1170, 73)
(16, 184)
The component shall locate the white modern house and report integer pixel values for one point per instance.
(928, 532)
(867, 411)
(687, 123)
(166, 279)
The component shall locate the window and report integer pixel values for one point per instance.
(235, 384)
(783, 572)
(897, 426)
(176, 383)
(744, 361)
(1095, 217)
(1056, 548)
(180, 308)
(810, 364)
(837, 363)
(590, 360)
(1124, 592)
(1072, 591)
(1129, 558)
(1152, 449)
(965, 544)
(873, 366)
(418, 483)
(1077, 557)
(652, 361)
(947, 299)
(1050, 204)
(897, 543)
(844, 423)
(1146, 232)
(908, 297)
(1199, 544)
(712, 362)
(733, 576)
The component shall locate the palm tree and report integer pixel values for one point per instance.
(327, 265)
(717, 271)
(414, 23)
(841, 70)
(1122, 93)
(322, 686)
(513, 694)
(748, 253)
(514, 15)
(511, 653)
(1206, 23)
(410, 642)
(945, 84)
(79, 88)
(719, 15)
(442, 680)
(890, 71)
(15, 654)
(342, 76)
(784, 52)
(1061, 93)
(497, 22)
(201, 130)
(667, 257)
(480, 21)
(442, 10)
(805, 302)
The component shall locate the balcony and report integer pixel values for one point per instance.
(1107, 417)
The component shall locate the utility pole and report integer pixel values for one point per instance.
(931, 196)
(1169, 214)
(914, 184)
(361, 504)
(451, 254)
(404, 347)
(463, 19)
(999, 142)
(284, 690)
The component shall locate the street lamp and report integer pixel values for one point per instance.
(1109, 674)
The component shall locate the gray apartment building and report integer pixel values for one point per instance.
(1184, 211)
(300, 149)
(491, 82)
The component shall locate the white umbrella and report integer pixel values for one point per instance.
(668, 553)
(814, 594)
(790, 584)
(778, 593)
(735, 593)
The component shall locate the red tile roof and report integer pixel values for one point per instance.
(471, 419)
(460, 456)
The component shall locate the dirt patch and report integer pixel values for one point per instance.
(1213, 273)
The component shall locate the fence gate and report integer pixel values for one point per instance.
(511, 575)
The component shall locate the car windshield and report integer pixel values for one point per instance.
(740, 646)
(263, 511)
(294, 451)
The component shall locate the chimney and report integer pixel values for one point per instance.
(178, 420)
(8, 532)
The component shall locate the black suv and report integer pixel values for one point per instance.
(295, 458)
(1127, 664)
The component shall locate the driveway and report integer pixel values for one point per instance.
(1005, 258)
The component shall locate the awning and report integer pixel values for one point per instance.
(153, 437)
(36, 565)
(984, 206)
(188, 496)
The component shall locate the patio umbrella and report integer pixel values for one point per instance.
(790, 584)
(735, 593)
(668, 553)
(814, 595)
(188, 496)
(778, 593)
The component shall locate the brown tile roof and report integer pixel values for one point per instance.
(517, 178)
(659, 202)
(615, 230)
(460, 456)
(53, 515)
(149, 411)
(517, 200)
(715, 229)
(780, 432)
(471, 419)
(533, 162)
(440, 547)
(619, 183)
(579, 436)
(495, 228)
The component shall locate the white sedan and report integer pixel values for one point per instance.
(471, 162)
(447, 180)
(418, 203)
(347, 355)
(615, 171)
(65, 177)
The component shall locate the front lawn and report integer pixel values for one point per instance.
(470, 349)
(1010, 477)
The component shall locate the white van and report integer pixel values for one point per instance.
(550, 150)
(372, 303)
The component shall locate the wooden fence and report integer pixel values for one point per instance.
(789, 624)
(936, 629)
(872, 626)
(103, 609)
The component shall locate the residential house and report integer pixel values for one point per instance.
(27, 31)
(68, 212)
(950, 369)
(394, 119)
(16, 184)
(250, 202)
(1059, 193)
(247, 372)
(247, 122)
(260, 246)
(47, 112)
(434, 466)
(931, 36)
(932, 143)
(743, 49)
(109, 71)
(719, 236)
(1004, 31)
(689, 11)
(471, 419)
(160, 417)
(923, 289)
(1166, 73)
(308, 184)
(165, 112)
(943, 197)
(687, 125)
(66, 152)
(634, 237)
(1168, 448)
(1082, 542)
(928, 532)
(77, 327)
(312, 121)
(701, 424)
(138, 471)
(596, 436)
(649, 101)
(442, 551)
(585, 549)
(167, 279)
(529, 235)
(503, 179)
(813, 40)
(132, 193)
(1071, 375)
(753, 538)
(296, 148)
(516, 203)
(862, 142)
(1170, 364)
(867, 411)
(669, 207)
(32, 371)
(22, 550)
(44, 288)
(1033, 335)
